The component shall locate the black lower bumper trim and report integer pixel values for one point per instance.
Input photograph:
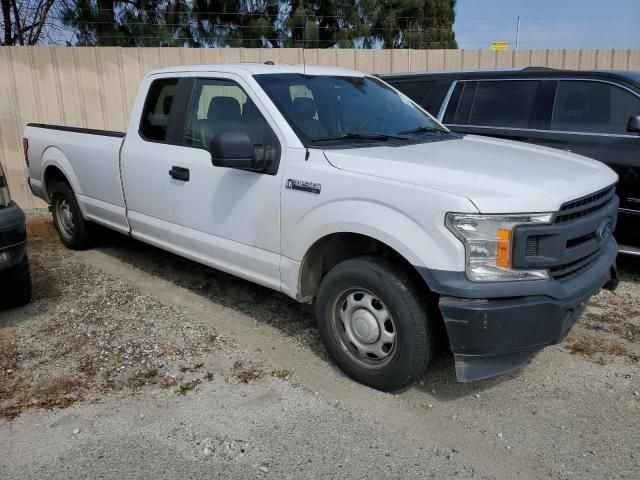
(496, 336)
(495, 328)
(471, 368)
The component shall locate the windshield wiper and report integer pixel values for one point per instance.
(359, 136)
(421, 130)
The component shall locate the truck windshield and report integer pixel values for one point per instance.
(325, 110)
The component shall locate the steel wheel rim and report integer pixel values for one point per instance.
(364, 328)
(64, 218)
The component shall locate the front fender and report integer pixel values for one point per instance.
(436, 249)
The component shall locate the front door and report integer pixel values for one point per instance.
(223, 217)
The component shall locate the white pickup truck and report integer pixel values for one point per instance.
(329, 185)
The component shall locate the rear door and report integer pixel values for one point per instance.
(146, 155)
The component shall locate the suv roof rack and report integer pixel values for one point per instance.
(538, 69)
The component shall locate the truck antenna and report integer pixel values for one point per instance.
(304, 40)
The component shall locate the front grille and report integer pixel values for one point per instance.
(585, 206)
(572, 243)
(571, 269)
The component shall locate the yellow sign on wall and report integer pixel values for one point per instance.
(500, 46)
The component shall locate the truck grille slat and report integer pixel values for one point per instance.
(570, 269)
(585, 206)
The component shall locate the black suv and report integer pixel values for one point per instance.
(15, 279)
(592, 113)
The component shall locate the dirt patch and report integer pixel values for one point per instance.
(246, 373)
(610, 325)
(87, 334)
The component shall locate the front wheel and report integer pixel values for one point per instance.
(373, 322)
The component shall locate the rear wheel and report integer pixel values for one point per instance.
(73, 230)
(373, 322)
(15, 286)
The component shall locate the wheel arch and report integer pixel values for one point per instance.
(329, 250)
(56, 167)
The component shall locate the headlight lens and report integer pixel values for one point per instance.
(5, 198)
(488, 243)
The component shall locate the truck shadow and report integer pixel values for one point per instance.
(285, 314)
(260, 303)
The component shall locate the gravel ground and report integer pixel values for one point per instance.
(131, 362)
(87, 334)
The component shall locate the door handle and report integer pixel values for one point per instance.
(179, 173)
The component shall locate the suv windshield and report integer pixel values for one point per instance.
(325, 109)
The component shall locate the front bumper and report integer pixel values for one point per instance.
(13, 236)
(495, 328)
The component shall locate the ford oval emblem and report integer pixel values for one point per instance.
(604, 231)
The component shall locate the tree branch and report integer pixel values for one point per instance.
(33, 39)
(6, 17)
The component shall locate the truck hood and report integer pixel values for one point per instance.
(498, 176)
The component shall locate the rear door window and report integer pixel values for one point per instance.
(157, 108)
(592, 107)
(504, 103)
(454, 102)
(460, 103)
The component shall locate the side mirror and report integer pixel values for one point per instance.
(232, 150)
(235, 149)
(633, 125)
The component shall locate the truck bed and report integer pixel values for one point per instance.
(93, 157)
(89, 131)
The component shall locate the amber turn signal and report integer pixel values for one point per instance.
(503, 259)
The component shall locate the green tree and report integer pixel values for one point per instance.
(263, 23)
(372, 23)
(130, 23)
(414, 24)
(248, 23)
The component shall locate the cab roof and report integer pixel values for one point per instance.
(260, 69)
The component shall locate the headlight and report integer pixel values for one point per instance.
(5, 198)
(488, 242)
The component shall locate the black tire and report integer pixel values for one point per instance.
(15, 287)
(73, 230)
(384, 285)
